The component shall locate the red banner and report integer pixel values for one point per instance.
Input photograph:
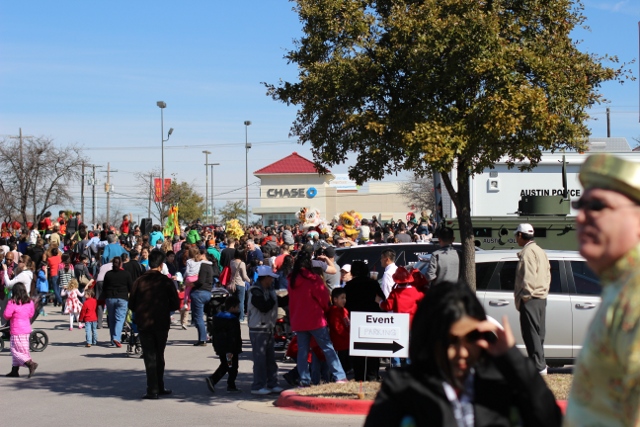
(157, 184)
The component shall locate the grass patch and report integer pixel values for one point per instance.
(560, 385)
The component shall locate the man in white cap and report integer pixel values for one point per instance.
(533, 279)
(606, 382)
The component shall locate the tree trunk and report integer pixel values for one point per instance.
(462, 203)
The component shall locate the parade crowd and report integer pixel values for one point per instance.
(464, 369)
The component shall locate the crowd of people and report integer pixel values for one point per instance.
(463, 369)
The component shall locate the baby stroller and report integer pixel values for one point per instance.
(215, 304)
(130, 336)
(38, 340)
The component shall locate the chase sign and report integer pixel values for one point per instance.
(291, 193)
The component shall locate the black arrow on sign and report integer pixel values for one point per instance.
(382, 346)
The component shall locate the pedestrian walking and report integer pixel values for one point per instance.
(227, 343)
(72, 305)
(19, 311)
(153, 298)
(89, 315)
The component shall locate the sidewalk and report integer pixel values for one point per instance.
(75, 385)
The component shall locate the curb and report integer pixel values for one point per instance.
(293, 401)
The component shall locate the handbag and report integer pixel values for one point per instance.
(225, 276)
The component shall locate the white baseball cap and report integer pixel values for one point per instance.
(524, 228)
(346, 267)
(265, 270)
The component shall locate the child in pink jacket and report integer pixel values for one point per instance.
(19, 311)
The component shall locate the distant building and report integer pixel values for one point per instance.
(293, 182)
(496, 192)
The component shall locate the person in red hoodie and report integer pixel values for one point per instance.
(308, 302)
(338, 318)
(89, 315)
(403, 298)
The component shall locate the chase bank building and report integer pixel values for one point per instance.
(292, 183)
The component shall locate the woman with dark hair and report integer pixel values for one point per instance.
(308, 301)
(283, 273)
(361, 292)
(238, 278)
(115, 291)
(201, 294)
(465, 371)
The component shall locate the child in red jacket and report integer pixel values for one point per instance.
(89, 315)
(338, 319)
(404, 298)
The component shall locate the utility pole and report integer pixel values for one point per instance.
(150, 194)
(608, 123)
(82, 193)
(213, 206)
(93, 181)
(206, 181)
(108, 188)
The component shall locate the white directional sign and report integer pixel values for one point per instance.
(379, 334)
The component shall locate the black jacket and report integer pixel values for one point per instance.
(117, 284)
(225, 332)
(134, 268)
(153, 297)
(501, 384)
(205, 277)
(361, 294)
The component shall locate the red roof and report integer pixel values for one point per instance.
(293, 163)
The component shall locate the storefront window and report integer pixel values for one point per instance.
(283, 219)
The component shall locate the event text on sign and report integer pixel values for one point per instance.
(374, 319)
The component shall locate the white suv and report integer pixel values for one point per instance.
(573, 299)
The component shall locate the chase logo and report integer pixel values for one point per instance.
(312, 192)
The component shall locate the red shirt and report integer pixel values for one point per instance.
(89, 311)
(124, 227)
(45, 224)
(54, 264)
(403, 300)
(338, 329)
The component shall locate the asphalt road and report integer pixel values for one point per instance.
(75, 385)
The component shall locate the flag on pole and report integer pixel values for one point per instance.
(172, 226)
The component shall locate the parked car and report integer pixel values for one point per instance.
(573, 299)
(407, 254)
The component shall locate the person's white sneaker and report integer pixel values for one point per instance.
(543, 372)
(262, 392)
(277, 389)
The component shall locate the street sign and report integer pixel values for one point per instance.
(379, 334)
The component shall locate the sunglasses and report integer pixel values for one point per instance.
(589, 205)
(594, 205)
(476, 335)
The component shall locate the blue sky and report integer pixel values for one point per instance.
(91, 72)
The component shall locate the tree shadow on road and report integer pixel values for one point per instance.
(130, 385)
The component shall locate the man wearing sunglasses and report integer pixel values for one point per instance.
(606, 384)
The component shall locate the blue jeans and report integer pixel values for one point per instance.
(240, 292)
(324, 342)
(117, 309)
(91, 331)
(53, 285)
(198, 299)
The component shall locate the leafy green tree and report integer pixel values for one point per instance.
(190, 204)
(442, 84)
(233, 210)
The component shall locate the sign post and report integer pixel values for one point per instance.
(379, 334)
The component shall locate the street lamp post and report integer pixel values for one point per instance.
(206, 171)
(247, 146)
(162, 106)
(213, 206)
